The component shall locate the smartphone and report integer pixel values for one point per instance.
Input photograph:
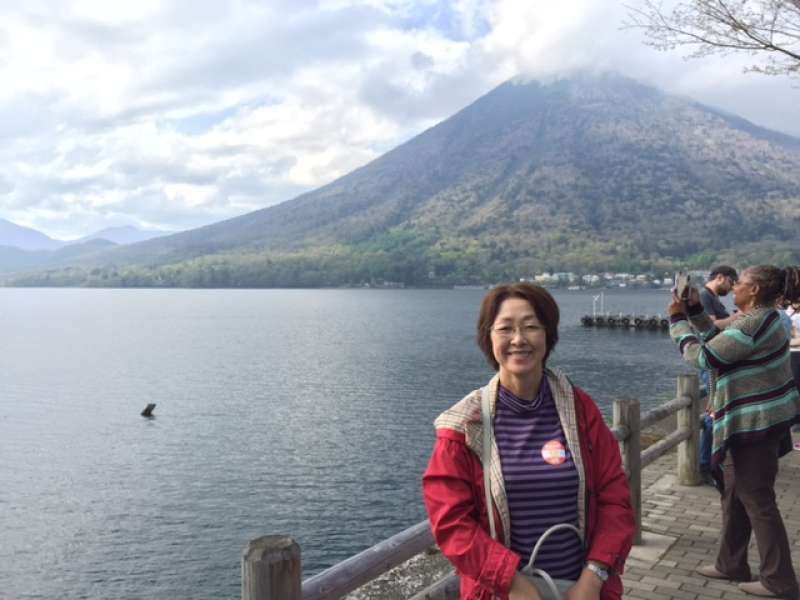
(682, 283)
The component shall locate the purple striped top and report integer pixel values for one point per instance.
(541, 480)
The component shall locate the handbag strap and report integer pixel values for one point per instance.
(545, 535)
(544, 576)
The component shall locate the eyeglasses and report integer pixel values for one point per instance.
(526, 331)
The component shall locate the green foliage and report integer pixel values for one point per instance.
(402, 257)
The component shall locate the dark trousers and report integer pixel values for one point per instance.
(706, 442)
(748, 505)
(794, 357)
(707, 427)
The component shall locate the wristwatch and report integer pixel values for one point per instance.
(601, 573)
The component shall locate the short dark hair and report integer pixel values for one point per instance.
(725, 271)
(543, 304)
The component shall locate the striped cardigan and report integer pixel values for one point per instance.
(752, 390)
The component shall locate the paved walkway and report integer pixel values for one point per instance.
(681, 530)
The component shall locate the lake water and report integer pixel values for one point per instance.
(305, 412)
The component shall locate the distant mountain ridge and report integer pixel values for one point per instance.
(25, 238)
(23, 248)
(127, 234)
(583, 173)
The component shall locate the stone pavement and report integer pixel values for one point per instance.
(681, 529)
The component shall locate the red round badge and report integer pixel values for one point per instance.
(554, 453)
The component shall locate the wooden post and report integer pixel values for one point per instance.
(626, 415)
(688, 419)
(271, 569)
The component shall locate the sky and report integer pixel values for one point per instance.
(173, 115)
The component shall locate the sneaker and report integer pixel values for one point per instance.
(796, 446)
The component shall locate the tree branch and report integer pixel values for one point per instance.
(769, 27)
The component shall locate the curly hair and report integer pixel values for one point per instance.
(776, 284)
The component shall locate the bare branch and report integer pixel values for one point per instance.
(766, 28)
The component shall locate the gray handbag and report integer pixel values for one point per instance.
(549, 588)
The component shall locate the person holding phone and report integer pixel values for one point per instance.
(755, 402)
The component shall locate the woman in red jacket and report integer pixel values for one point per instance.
(553, 460)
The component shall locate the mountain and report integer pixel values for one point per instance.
(75, 250)
(13, 259)
(23, 249)
(25, 238)
(584, 173)
(126, 234)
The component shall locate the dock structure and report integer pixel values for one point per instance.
(623, 321)
(602, 318)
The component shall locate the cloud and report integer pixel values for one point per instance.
(177, 114)
(6, 187)
(542, 40)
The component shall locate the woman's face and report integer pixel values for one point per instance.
(744, 292)
(519, 341)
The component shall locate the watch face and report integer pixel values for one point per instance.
(599, 571)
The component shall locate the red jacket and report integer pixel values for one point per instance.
(454, 497)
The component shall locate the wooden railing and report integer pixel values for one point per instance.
(272, 568)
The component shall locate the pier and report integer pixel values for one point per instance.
(602, 318)
(623, 321)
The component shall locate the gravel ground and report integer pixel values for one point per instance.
(406, 580)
